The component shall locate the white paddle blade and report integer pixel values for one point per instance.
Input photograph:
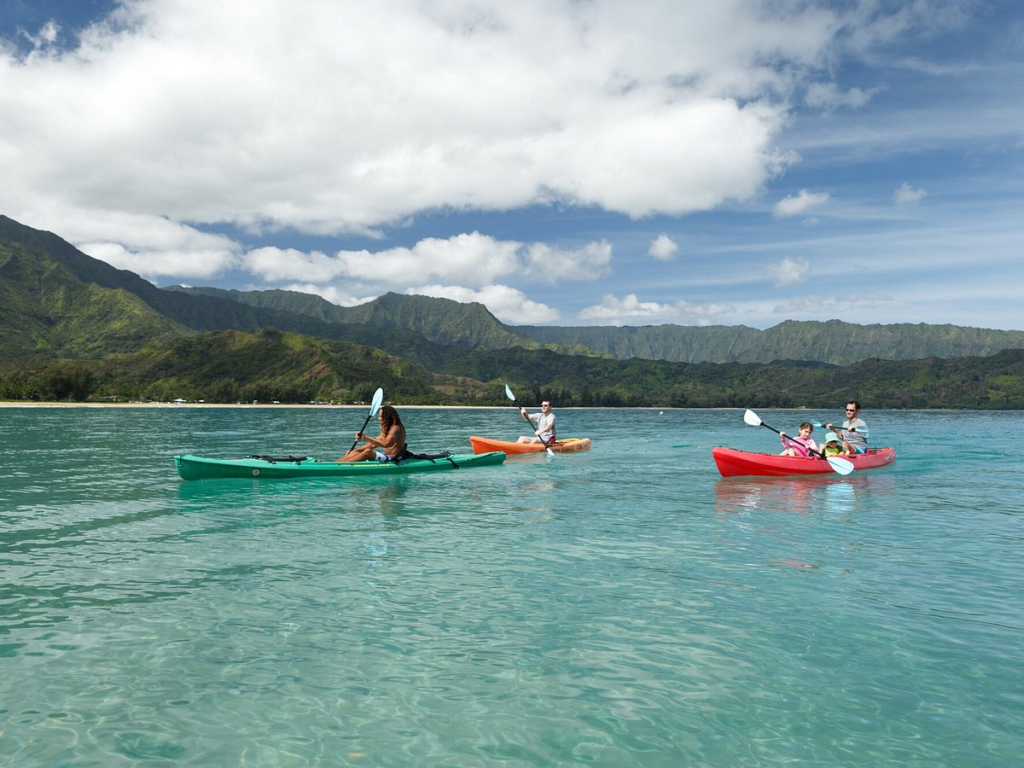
(378, 398)
(508, 394)
(751, 418)
(841, 466)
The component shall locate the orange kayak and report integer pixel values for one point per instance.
(569, 445)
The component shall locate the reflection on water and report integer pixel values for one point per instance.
(832, 493)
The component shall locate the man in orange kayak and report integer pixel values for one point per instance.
(543, 424)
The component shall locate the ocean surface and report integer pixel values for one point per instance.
(620, 607)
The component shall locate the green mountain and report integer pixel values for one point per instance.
(442, 321)
(56, 302)
(451, 323)
(833, 341)
(74, 327)
(269, 365)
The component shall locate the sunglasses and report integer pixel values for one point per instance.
(851, 410)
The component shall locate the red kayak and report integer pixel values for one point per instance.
(733, 463)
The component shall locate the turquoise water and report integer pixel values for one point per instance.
(621, 607)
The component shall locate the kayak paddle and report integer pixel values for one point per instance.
(860, 431)
(510, 396)
(840, 465)
(378, 398)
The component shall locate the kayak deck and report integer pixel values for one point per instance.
(569, 445)
(200, 468)
(735, 463)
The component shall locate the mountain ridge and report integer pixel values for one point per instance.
(72, 326)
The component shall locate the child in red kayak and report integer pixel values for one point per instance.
(833, 446)
(803, 445)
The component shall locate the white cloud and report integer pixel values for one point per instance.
(149, 246)
(616, 311)
(507, 304)
(275, 265)
(663, 247)
(341, 117)
(907, 194)
(552, 265)
(330, 293)
(789, 271)
(162, 263)
(800, 203)
(827, 97)
(46, 37)
(832, 306)
(469, 259)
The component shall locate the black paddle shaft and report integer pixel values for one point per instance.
(365, 424)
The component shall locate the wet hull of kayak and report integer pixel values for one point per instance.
(569, 445)
(733, 463)
(200, 468)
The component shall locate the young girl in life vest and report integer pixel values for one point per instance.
(803, 445)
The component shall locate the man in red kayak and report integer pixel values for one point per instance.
(543, 424)
(854, 431)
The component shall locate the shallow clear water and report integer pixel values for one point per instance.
(620, 607)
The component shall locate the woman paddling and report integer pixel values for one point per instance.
(387, 446)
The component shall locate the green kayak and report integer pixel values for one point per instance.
(200, 468)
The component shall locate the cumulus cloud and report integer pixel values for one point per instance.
(333, 118)
(799, 204)
(174, 118)
(469, 259)
(663, 248)
(615, 311)
(552, 265)
(907, 194)
(153, 264)
(507, 304)
(150, 246)
(330, 293)
(789, 271)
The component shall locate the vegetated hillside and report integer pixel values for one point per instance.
(232, 366)
(239, 366)
(56, 302)
(833, 341)
(74, 327)
(441, 321)
(994, 382)
(448, 322)
(47, 311)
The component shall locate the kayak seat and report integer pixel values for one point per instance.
(274, 459)
(431, 457)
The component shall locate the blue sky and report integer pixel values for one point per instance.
(569, 163)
